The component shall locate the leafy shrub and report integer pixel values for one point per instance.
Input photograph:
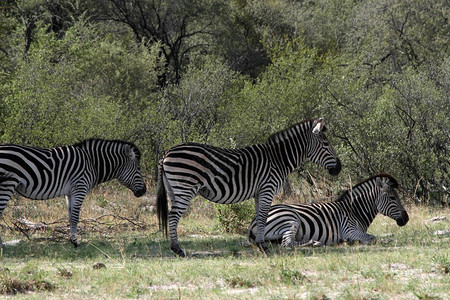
(235, 218)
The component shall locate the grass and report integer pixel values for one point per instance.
(120, 232)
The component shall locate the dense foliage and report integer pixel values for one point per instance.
(229, 73)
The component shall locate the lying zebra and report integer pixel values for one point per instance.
(344, 220)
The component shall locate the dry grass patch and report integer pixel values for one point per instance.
(121, 232)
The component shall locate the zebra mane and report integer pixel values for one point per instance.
(281, 135)
(392, 182)
(84, 143)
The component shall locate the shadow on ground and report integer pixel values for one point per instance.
(141, 246)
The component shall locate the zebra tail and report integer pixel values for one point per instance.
(162, 208)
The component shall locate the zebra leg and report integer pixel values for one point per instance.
(367, 238)
(72, 236)
(179, 205)
(360, 236)
(310, 243)
(262, 206)
(7, 188)
(69, 208)
(288, 239)
(73, 207)
(174, 218)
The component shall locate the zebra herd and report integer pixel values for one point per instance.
(220, 175)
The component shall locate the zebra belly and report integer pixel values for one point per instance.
(227, 190)
(321, 230)
(42, 192)
(224, 198)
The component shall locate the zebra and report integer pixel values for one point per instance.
(73, 171)
(343, 220)
(232, 175)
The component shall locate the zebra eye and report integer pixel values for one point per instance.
(391, 196)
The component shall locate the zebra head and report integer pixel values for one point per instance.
(320, 150)
(388, 201)
(130, 173)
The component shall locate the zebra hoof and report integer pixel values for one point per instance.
(262, 247)
(178, 251)
(75, 243)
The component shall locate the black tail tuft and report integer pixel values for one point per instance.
(162, 209)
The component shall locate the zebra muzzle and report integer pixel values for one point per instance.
(140, 192)
(403, 219)
(335, 169)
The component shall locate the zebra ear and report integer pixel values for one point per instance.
(129, 152)
(378, 182)
(381, 183)
(318, 125)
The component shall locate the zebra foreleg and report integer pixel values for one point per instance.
(262, 209)
(368, 239)
(310, 243)
(73, 207)
(73, 224)
(360, 236)
(7, 188)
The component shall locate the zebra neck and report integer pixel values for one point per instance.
(288, 148)
(105, 169)
(104, 159)
(361, 206)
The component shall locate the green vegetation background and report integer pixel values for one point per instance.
(230, 73)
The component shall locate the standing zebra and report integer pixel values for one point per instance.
(72, 171)
(345, 219)
(232, 175)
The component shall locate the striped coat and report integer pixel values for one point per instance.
(232, 175)
(346, 219)
(70, 171)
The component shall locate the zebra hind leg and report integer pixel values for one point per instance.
(288, 239)
(174, 218)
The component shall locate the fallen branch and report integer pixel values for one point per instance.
(96, 220)
(59, 229)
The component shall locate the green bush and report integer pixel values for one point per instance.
(232, 73)
(235, 218)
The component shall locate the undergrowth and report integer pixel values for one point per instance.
(120, 232)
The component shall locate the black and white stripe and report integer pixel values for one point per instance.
(345, 219)
(233, 175)
(72, 171)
